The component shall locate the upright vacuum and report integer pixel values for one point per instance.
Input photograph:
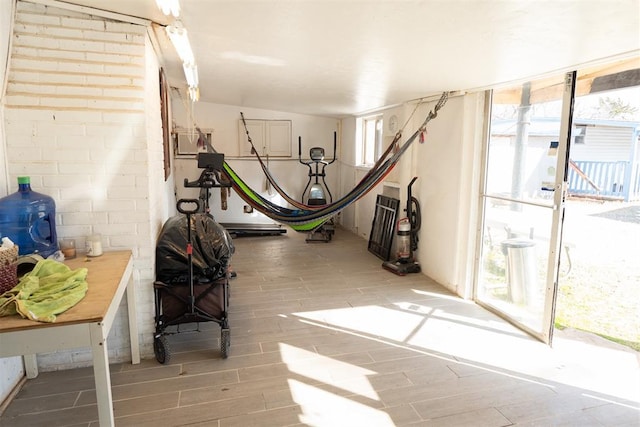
(407, 243)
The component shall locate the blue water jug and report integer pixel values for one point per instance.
(28, 219)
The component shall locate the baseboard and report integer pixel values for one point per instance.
(6, 402)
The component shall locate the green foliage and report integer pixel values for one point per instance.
(616, 108)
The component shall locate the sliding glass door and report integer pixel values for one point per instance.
(523, 201)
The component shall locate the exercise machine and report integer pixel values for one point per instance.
(317, 192)
(211, 177)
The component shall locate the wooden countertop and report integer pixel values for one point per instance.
(104, 275)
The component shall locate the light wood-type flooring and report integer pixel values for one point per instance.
(321, 335)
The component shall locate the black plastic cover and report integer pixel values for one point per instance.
(212, 250)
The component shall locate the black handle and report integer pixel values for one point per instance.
(335, 145)
(300, 152)
(182, 202)
(209, 178)
(335, 142)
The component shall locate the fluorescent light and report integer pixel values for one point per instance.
(169, 7)
(178, 35)
(194, 93)
(191, 73)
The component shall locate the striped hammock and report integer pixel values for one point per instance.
(307, 218)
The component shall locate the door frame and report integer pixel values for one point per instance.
(558, 207)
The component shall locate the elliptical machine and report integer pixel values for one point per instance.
(316, 196)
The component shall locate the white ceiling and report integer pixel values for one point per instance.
(346, 57)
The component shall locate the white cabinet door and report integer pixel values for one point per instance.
(269, 137)
(278, 141)
(256, 132)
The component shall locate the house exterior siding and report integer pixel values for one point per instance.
(605, 144)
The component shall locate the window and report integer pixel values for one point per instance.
(371, 140)
(579, 132)
(189, 141)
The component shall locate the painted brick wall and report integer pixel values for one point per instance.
(82, 120)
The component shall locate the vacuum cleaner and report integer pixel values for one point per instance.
(407, 232)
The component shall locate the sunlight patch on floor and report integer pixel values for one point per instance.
(442, 296)
(322, 408)
(580, 364)
(487, 343)
(374, 320)
(328, 370)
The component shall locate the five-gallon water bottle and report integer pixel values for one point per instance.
(28, 219)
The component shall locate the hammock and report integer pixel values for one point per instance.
(291, 200)
(307, 218)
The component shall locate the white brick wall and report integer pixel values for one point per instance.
(82, 118)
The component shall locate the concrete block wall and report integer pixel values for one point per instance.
(82, 119)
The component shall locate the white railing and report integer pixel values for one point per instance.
(615, 180)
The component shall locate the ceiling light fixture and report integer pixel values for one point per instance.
(191, 73)
(194, 94)
(169, 7)
(178, 36)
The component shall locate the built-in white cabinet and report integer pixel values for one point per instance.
(270, 137)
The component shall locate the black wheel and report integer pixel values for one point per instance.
(162, 350)
(225, 342)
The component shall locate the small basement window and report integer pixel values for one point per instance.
(371, 147)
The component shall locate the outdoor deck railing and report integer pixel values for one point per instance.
(616, 180)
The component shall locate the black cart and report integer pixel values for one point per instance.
(192, 276)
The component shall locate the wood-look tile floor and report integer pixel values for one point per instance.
(323, 336)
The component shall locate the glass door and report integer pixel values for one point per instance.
(523, 201)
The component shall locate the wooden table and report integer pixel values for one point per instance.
(87, 324)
